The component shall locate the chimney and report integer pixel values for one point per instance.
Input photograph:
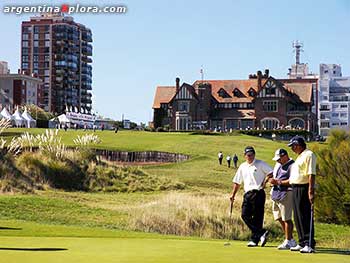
(177, 84)
(259, 74)
(266, 73)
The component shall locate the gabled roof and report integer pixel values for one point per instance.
(302, 89)
(164, 94)
(229, 85)
(189, 87)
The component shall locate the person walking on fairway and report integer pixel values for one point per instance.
(228, 159)
(235, 160)
(220, 156)
(282, 197)
(302, 179)
(253, 174)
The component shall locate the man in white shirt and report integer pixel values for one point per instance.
(253, 174)
(302, 179)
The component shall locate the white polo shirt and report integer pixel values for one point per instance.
(303, 167)
(252, 175)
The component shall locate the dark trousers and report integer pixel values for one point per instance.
(253, 213)
(302, 215)
(220, 161)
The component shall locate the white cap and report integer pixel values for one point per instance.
(279, 153)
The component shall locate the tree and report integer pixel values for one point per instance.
(333, 178)
(38, 113)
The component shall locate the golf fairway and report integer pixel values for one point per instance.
(61, 249)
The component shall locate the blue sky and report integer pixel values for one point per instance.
(157, 41)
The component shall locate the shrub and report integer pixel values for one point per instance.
(126, 179)
(333, 178)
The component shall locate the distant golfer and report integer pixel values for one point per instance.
(282, 196)
(235, 160)
(302, 179)
(228, 159)
(220, 157)
(253, 174)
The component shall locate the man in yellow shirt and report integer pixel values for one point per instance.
(302, 179)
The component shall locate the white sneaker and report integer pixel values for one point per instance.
(284, 245)
(263, 238)
(292, 243)
(296, 248)
(252, 244)
(307, 249)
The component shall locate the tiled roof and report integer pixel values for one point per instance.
(163, 95)
(302, 90)
(229, 86)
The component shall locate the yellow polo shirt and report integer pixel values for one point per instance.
(303, 167)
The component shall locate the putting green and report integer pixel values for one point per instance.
(58, 249)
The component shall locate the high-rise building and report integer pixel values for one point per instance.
(59, 51)
(334, 97)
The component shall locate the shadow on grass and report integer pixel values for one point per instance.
(338, 251)
(9, 228)
(11, 134)
(33, 249)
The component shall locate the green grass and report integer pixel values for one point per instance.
(31, 242)
(91, 226)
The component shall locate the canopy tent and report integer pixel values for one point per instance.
(29, 121)
(63, 119)
(5, 114)
(18, 119)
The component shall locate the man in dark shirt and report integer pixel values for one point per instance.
(282, 196)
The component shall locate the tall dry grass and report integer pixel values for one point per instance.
(188, 214)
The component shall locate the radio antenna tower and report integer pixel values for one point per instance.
(297, 49)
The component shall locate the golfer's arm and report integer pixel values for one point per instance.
(235, 188)
(311, 183)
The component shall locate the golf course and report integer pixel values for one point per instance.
(161, 212)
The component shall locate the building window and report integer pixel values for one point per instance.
(344, 124)
(25, 58)
(270, 88)
(343, 106)
(297, 123)
(36, 43)
(184, 106)
(25, 51)
(325, 124)
(270, 123)
(25, 44)
(25, 65)
(47, 36)
(47, 43)
(35, 65)
(343, 115)
(35, 58)
(47, 58)
(25, 37)
(335, 115)
(270, 105)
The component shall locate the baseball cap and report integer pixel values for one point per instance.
(279, 153)
(297, 140)
(249, 149)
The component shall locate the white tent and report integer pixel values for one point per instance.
(5, 114)
(17, 117)
(63, 119)
(30, 122)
